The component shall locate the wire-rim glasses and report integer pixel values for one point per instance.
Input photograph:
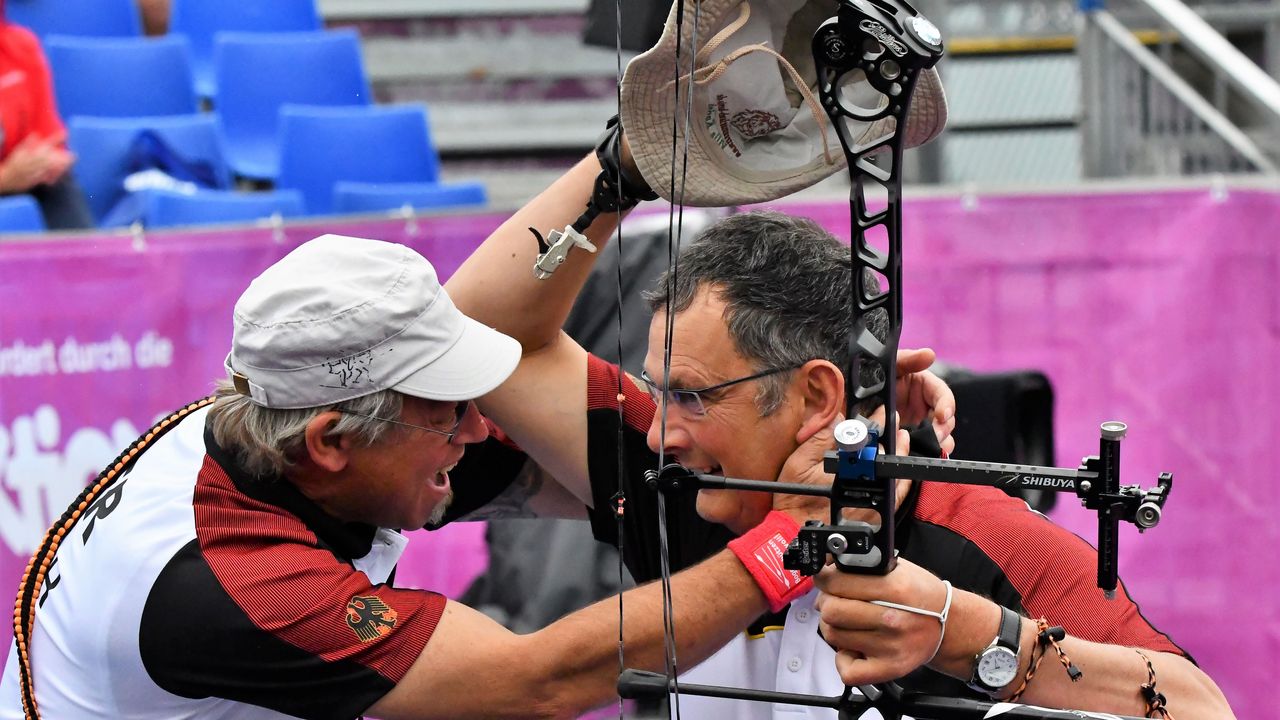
(690, 400)
(460, 414)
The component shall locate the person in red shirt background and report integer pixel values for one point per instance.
(33, 155)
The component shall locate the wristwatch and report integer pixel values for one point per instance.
(997, 665)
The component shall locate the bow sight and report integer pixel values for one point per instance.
(864, 479)
(887, 44)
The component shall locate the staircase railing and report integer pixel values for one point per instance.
(1143, 118)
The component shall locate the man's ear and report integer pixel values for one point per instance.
(822, 387)
(326, 451)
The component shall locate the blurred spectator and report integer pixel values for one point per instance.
(155, 16)
(33, 155)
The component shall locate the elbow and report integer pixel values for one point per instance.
(1204, 699)
(1215, 704)
(1210, 706)
(555, 700)
(555, 685)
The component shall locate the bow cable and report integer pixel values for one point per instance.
(620, 497)
(675, 229)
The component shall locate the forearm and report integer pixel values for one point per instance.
(1112, 673)
(712, 602)
(496, 285)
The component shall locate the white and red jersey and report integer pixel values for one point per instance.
(190, 589)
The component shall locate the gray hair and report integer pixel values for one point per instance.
(268, 441)
(787, 289)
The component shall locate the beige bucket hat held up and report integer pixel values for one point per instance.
(757, 130)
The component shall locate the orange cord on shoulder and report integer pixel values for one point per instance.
(24, 612)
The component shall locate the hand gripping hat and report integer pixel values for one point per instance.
(757, 130)
(341, 317)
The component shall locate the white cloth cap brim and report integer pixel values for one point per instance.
(480, 361)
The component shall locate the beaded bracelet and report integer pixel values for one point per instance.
(1045, 637)
(1055, 635)
(1037, 654)
(1154, 700)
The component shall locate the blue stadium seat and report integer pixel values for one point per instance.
(86, 18)
(358, 197)
(321, 147)
(121, 77)
(201, 20)
(103, 147)
(166, 208)
(258, 73)
(20, 213)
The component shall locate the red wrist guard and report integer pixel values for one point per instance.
(760, 551)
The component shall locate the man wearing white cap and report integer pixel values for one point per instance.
(237, 560)
(759, 334)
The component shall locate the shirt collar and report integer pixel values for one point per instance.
(347, 540)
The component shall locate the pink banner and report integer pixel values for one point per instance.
(1159, 309)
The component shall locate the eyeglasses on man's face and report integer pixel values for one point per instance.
(690, 400)
(460, 413)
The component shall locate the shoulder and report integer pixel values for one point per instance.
(605, 380)
(984, 521)
(281, 624)
(973, 511)
(991, 543)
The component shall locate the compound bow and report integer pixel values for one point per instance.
(889, 43)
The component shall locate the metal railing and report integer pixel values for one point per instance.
(1144, 118)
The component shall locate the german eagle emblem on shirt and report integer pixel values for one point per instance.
(369, 617)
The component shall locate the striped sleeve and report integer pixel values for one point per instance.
(1053, 572)
(282, 622)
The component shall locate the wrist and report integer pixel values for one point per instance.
(7, 186)
(973, 623)
(800, 514)
(996, 666)
(1026, 647)
(760, 550)
(632, 179)
(618, 172)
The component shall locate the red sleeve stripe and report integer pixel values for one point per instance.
(272, 567)
(602, 393)
(498, 434)
(1054, 571)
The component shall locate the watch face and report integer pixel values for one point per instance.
(998, 667)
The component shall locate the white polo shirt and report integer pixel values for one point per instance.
(792, 658)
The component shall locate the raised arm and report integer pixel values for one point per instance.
(542, 405)
(496, 285)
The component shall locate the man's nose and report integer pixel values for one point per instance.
(473, 428)
(676, 436)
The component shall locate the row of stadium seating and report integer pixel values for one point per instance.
(198, 21)
(258, 73)
(302, 94)
(339, 159)
(167, 208)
